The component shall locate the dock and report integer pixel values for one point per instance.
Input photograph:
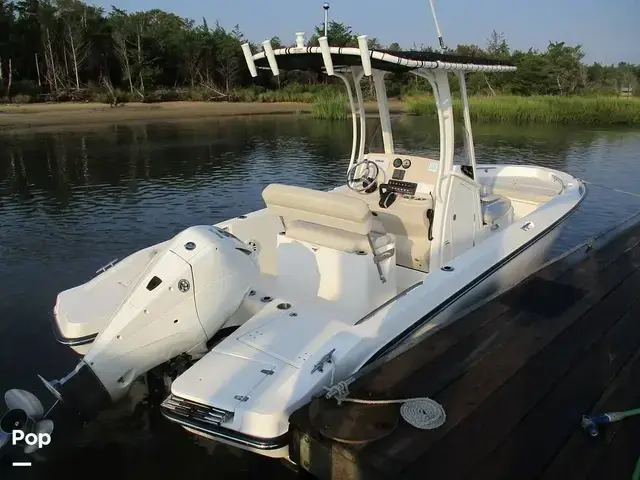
(514, 377)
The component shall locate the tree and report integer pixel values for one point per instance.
(497, 48)
(74, 20)
(531, 77)
(27, 36)
(192, 51)
(120, 28)
(7, 20)
(564, 65)
(130, 33)
(394, 47)
(276, 42)
(338, 34)
(227, 51)
(60, 47)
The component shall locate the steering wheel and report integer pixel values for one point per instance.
(367, 180)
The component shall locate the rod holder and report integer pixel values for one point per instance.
(248, 56)
(326, 54)
(300, 39)
(271, 57)
(364, 54)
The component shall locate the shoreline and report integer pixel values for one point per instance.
(25, 116)
(585, 111)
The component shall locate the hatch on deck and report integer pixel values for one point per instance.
(231, 378)
(310, 329)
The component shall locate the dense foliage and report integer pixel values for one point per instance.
(66, 49)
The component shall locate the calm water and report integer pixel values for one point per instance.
(71, 201)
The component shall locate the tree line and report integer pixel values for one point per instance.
(68, 50)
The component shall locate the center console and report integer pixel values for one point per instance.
(407, 176)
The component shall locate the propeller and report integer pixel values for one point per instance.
(26, 413)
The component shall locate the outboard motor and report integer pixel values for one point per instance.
(181, 298)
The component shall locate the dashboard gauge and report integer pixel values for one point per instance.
(406, 163)
(397, 163)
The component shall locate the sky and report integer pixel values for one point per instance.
(608, 30)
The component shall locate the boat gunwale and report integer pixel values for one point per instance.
(421, 322)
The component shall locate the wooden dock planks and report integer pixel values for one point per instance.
(581, 453)
(514, 377)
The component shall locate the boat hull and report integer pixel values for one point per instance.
(509, 273)
(515, 268)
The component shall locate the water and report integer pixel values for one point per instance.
(73, 200)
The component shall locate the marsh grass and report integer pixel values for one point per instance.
(294, 92)
(329, 106)
(597, 110)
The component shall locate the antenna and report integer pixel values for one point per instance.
(326, 16)
(435, 19)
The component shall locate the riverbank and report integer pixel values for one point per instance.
(499, 109)
(22, 116)
(70, 114)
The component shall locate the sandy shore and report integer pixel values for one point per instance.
(69, 114)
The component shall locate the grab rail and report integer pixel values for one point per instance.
(558, 179)
(107, 266)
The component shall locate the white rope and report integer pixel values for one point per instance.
(421, 412)
(610, 188)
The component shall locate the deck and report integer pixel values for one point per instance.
(514, 376)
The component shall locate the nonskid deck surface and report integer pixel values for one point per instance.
(267, 284)
(514, 376)
(520, 188)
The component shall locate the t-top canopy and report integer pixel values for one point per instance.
(310, 58)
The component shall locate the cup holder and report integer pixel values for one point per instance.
(284, 306)
(266, 299)
(361, 252)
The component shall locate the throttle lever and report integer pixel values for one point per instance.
(387, 197)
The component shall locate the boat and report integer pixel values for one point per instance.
(252, 317)
(352, 274)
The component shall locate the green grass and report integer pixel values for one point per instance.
(295, 92)
(540, 109)
(329, 102)
(329, 106)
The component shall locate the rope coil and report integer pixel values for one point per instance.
(420, 412)
(423, 413)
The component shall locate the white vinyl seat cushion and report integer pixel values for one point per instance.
(326, 219)
(337, 239)
(322, 208)
(493, 207)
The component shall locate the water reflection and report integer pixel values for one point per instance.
(125, 186)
